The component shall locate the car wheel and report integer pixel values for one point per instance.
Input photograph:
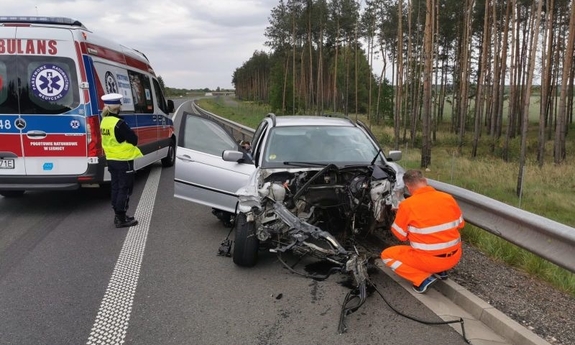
(246, 242)
(11, 193)
(170, 159)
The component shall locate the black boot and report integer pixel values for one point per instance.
(118, 217)
(124, 221)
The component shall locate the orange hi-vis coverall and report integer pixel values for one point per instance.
(430, 220)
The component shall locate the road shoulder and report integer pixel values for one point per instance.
(484, 324)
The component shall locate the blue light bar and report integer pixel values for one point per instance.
(41, 20)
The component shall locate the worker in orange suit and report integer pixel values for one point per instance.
(430, 220)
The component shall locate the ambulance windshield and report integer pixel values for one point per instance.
(37, 85)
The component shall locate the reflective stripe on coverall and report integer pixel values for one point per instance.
(430, 220)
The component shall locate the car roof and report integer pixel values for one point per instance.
(311, 120)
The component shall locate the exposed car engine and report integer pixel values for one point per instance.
(344, 202)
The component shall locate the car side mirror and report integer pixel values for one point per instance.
(394, 156)
(232, 156)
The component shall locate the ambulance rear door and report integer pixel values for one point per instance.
(51, 114)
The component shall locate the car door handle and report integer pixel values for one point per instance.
(185, 158)
(36, 134)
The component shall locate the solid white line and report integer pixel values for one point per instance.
(112, 320)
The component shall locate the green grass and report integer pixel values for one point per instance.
(547, 191)
(534, 107)
(247, 113)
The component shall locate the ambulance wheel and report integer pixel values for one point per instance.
(170, 159)
(11, 193)
(246, 243)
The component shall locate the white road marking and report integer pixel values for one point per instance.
(112, 320)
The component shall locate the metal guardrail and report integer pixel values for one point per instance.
(239, 132)
(546, 238)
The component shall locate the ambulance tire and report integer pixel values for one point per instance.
(246, 243)
(170, 159)
(11, 193)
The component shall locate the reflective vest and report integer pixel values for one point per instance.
(430, 220)
(115, 150)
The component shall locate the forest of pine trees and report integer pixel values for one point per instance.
(482, 58)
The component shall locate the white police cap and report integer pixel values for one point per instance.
(112, 98)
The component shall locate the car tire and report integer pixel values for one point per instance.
(11, 193)
(170, 159)
(246, 243)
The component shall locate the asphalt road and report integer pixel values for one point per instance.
(68, 276)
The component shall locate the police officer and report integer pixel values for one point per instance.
(120, 145)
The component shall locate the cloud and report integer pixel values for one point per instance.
(191, 44)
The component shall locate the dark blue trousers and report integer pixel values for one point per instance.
(122, 173)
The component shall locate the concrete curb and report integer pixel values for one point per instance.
(448, 300)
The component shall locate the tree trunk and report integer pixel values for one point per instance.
(464, 74)
(335, 96)
(481, 79)
(427, 76)
(399, 78)
(512, 88)
(535, 20)
(561, 128)
(547, 55)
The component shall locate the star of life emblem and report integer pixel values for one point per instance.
(49, 82)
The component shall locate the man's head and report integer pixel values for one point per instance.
(414, 180)
(246, 145)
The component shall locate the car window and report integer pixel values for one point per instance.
(141, 92)
(160, 97)
(38, 85)
(206, 136)
(321, 144)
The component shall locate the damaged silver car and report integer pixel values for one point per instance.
(309, 186)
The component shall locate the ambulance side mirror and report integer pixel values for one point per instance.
(170, 106)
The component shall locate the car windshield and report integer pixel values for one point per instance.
(341, 145)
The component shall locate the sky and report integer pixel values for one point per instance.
(191, 44)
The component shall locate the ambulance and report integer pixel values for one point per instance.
(53, 72)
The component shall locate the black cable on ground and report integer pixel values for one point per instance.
(225, 248)
(359, 293)
(461, 321)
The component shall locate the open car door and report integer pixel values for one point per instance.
(201, 175)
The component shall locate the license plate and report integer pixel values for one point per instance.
(6, 164)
